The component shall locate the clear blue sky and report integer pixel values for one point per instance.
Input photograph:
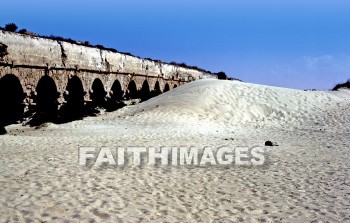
(298, 44)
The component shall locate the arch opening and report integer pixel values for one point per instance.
(118, 93)
(156, 91)
(175, 86)
(74, 107)
(166, 88)
(145, 92)
(132, 91)
(11, 99)
(116, 97)
(46, 101)
(98, 95)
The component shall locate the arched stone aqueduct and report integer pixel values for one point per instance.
(88, 79)
(46, 74)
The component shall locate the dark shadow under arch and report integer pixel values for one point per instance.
(156, 91)
(116, 97)
(132, 91)
(166, 88)
(118, 93)
(46, 101)
(175, 86)
(145, 92)
(73, 108)
(98, 95)
(11, 100)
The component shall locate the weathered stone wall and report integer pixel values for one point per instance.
(30, 58)
(49, 80)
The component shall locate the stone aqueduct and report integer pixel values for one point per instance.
(45, 74)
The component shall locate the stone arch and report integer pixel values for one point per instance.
(139, 81)
(166, 88)
(123, 80)
(116, 91)
(109, 81)
(132, 92)
(73, 108)
(46, 99)
(156, 90)
(60, 78)
(145, 92)
(11, 99)
(98, 93)
(115, 97)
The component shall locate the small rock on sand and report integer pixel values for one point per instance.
(270, 143)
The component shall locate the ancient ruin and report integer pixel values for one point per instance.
(46, 74)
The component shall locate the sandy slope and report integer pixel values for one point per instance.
(306, 178)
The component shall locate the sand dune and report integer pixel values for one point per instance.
(237, 103)
(305, 179)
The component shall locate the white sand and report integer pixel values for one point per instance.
(306, 178)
